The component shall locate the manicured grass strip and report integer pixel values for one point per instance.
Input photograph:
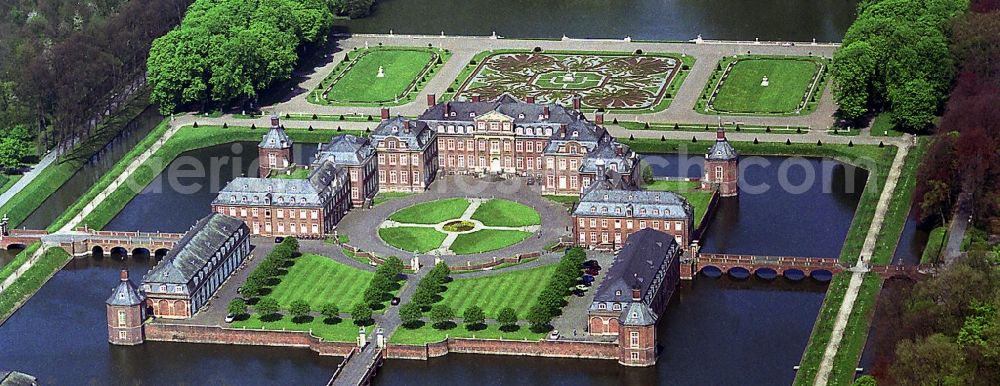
(431, 212)
(486, 240)
(387, 196)
(19, 207)
(361, 84)
(343, 331)
(318, 280)
(428, 334)
(297, 174)
(188, 138)
(567, 201)
(820, 337)
(33, 279)
(18, 260)
(935, 245)
(856, 332)
(882, 126)
(635, 125)
(899, 206)
(412, 239)
(516, 289)
(506, 213)
(673, 186)
(788, 82)
(698, 198)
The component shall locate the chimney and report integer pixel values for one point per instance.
(529, 99)
(562, 131)
(431, 100)
(406, 127)
(576, 102)
(601, 174)
(599, 118)
(545, 111)
(385, 113)
(123, 275)
(274, 121)
(447, 108)
(720, 134)
(636, 295)
(477, 98)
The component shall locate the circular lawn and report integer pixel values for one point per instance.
(459, 226)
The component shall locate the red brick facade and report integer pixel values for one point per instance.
(125, 324)
(364, 182)
(401, 169)
(162, 332)
(610, 232)
(721, 175)
(637, 345)
(301, 222)
(273, 159)
(541, 348)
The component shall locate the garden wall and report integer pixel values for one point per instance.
(163, 332)
(544, 348)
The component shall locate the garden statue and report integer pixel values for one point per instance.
(381, 72)
(763, 82)
(568, 77)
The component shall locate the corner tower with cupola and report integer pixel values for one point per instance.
(721, 167)
(274, 149)
(126, 312)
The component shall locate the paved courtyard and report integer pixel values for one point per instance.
(361, 225)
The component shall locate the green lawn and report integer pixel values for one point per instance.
(297, 174)
(318, 280)
(935, 245)
(789, 80)
(387, 196)
(820, 337)
(516, 289)
(567, 201)
(856, 333)
(412, 239)
(899, 207)
(428, 334)
(883, 126)
(486, 240)
(431, 212)
(361, 85)
(9, 181)
(505, 213)
(343, 331)
(33, 279)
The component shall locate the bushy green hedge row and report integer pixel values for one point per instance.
(552, 298)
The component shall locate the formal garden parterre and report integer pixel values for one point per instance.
(626, 82)
(764, 85)
(379, 76)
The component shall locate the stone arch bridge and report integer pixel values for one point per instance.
(84, 241)
(784, 265)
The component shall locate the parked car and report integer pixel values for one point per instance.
(578, 293)
(586, 279)
(394, 301)
(592, 272)
(278, 240)
(582, 287)
(230, 318)
(554, 335)
(592, 264)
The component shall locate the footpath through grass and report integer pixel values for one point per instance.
(486, 240)
(516, 289)
(33, 279)
(820, 337)
(899, 207)
(431, 212)
(856, 332)
(318, 280)
(506, 213)
(186, 139)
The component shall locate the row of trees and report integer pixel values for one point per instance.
(553, 297)
(965, 154)
(270, 268)
(67, 63)
(227, 51)
(895, 58)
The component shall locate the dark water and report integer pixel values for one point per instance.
(92, 171)
(189, 184)
(798, 20)
(787, 206)
(60, 336)
(912, 241)
(716, 331)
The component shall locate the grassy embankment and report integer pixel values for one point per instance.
(33, 279)
(188, 138)
(935, 245)
(699, 199)
(636, 125)
(899, 207)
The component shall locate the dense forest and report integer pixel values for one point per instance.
(67, 63)
(226, 51)
(962, 166)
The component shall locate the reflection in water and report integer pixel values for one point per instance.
(66, 321)
(6, 255)
(805, 209)
(715, 331)
(640, 19)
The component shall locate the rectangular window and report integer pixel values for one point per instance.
(718, 173)
(253, 212)
(634, 340)
(315, 214)
(122, 335)
(402, 159)
(635, 356)
(121, 318)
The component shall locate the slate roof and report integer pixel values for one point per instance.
(194, 251)
(16, 378)
(636, 265)
(415, 133)
(521, 112)
(721, 150)
(125, 294)
(611, 153)
(325, 177)
(347, 149)
(276, 138)
(657, 204)
(637, 314)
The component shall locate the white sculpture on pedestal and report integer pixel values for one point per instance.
(764, 82)
(381, 72)
(569, 77)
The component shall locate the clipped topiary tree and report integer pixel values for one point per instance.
(473, 316)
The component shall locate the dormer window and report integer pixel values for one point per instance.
(593, 209)
(617, 307)
(618, 293)
(472, 115)
(232, 199)
(605, 196)
(656, 212)
(602, 306)
(576, 133)
(452, 113)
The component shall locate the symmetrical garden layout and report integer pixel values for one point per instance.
(381, 75)
(459, 226)
(764, 85)
(602, 80)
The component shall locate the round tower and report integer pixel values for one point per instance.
(126, 313)
(721, 167)
(274, 149)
